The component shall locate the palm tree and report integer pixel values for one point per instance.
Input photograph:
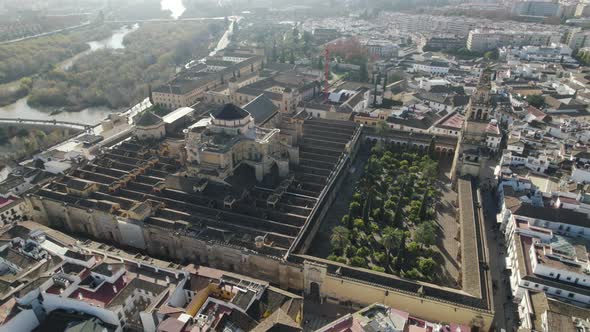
(382, 128)
(392, 238)
(340, 238)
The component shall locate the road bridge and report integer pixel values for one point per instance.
(161, 20)
(56, 123)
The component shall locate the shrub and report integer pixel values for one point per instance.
(426, 266)
(374, 227)
(358, 261)
(341, 259)
(377, 268)
(350, 251)
(359, 223)
(379, 257)
(412, 274)
(363, 252)
(355, 209)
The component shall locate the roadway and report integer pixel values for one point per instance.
(161, 20)
(49, 33)
(505, 310)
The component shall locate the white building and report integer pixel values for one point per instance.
(552, 53)
(432, 67)
(480, 40)
(578, 38)
(381, 48)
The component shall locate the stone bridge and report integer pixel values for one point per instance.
(55, 123)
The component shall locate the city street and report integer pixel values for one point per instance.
(505, 309)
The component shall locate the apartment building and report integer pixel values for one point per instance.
(480, 40)
(577, 38)
(50, 277)
(539, 312)
(192, 84)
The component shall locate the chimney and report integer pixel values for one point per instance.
(114, 289)
(80, 296)
(109, 267)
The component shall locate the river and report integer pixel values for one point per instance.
(115, 41)
(93, 115)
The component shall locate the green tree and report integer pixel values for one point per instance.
(358, 261)
(359, 223)
(391, 239)
(422, 213)
(425, 234)
(412, 274)
(355, 209)
(381, 127)
(283, 56)
(275, 54)
(347, 222)
(426, 266)
(375, 94)
(490, 55)
(363, 72)
(432, 147)
(340, 238)
(537, 101)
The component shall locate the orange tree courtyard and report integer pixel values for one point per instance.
(389, 226)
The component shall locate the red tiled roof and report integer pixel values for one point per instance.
(103, 295)
(455, 121)
(568, 200)
(537, 113)
(5, 201)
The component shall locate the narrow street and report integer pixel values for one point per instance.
(505, 310)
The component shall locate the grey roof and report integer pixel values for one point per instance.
(230, 112)
(90, 325)
(76, 184)
(148, 119)
(564, 216)
(261, 108)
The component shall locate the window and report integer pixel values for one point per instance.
(571, 295)
(558, 291)
(568, 278)
(551, 274)
(545, 288)
(526, 284)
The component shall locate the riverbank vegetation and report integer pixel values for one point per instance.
(120, 78)
(31, 56)
(390, 223)
(17, 143)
